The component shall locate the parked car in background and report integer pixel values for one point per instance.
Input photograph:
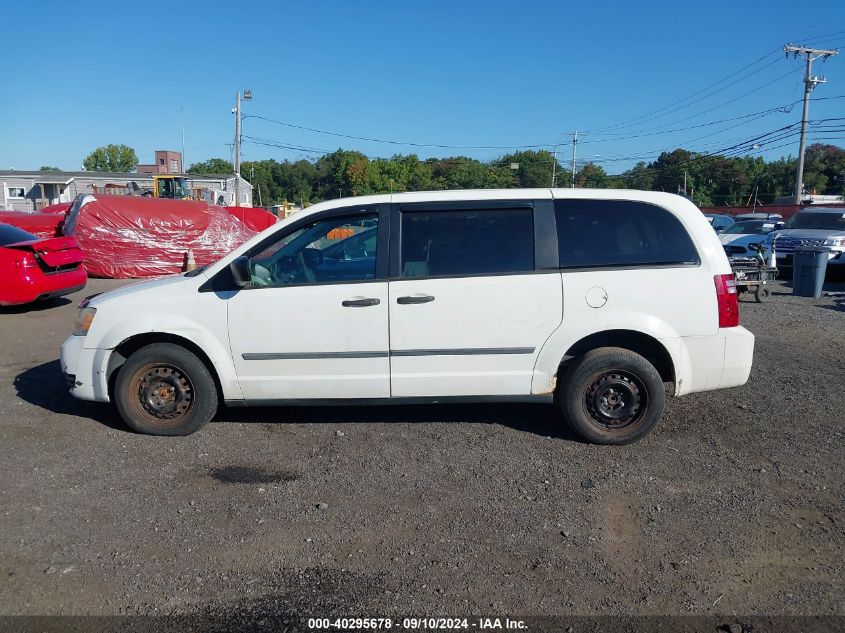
(758, 216)
(816, 226)
(35, 269)
(719, 222)
(739, 236)
(473, 286)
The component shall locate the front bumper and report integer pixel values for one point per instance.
(836, 258)
(84, 369)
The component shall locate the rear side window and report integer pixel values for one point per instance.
(467, 242)
(12, 234)
(595, 233)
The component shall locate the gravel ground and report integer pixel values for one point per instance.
(732, 506)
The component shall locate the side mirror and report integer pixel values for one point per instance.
(240, 271)
(719, 229)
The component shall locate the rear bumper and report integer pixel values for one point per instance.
(739, 356)
(38, 286)
(705, 363)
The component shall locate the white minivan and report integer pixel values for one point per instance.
(595, 300)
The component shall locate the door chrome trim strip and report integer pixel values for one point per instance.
(463, 351)
(468, 351)
(313, 355)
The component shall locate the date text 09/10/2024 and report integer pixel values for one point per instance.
(417, 623)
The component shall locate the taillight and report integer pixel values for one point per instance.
(26, 260)
(727, 299)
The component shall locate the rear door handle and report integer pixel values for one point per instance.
(360, 303)
(419, 298)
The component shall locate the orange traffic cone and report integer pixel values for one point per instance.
(190, 262)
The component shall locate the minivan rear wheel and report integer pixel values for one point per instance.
(163, 389)
(611, 395)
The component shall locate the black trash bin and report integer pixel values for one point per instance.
(809, 264)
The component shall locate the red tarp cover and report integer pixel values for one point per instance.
(128, 237)
(60, 208)
(39, 224)
(255, 218)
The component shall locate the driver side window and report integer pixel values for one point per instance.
(330, 250)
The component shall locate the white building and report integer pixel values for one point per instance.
(29, 191)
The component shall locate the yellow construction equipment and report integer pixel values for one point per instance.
(173, 187)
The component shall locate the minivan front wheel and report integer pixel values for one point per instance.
(164, 389)
(611, 395)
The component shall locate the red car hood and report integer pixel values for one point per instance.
(56, 251)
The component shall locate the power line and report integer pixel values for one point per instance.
(394, 142)
(667, 110)
(694, 94)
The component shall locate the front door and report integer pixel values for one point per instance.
(469, 306)
(314, 322)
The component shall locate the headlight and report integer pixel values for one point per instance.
(84, 319)
(835, 241)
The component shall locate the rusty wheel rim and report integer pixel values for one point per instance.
(164, 392)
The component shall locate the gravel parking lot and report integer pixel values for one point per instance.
(734, 505)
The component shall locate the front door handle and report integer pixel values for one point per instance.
(419, 298)
(360, 303)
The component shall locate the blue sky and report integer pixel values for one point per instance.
(460, 73)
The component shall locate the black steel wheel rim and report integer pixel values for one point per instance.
(164, 391)
(616, 399)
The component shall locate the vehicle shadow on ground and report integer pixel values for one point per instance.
(37, 306)
(44, 387)
(540, 419)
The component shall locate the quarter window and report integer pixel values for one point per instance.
(595, 233)
(331, 250)
(467, 242)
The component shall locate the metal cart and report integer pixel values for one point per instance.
(752, 275)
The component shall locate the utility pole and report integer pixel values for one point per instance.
(554, 166)
(574, 148)
(238, 149)
(182, 160)
(237, 161)
(810, 82)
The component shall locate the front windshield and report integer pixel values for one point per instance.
(181, 188)
(750, 227)
(833, 221)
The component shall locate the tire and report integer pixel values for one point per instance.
(762, 293)
(611, 396)
(163, 389)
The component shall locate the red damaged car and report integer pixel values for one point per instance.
(33, 269)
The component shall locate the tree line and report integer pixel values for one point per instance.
(710, 180)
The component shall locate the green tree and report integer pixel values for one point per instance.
(639, 177)
(116, 158)
(591, 176)
(48, 168)
(535, 168)
(212, 166)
